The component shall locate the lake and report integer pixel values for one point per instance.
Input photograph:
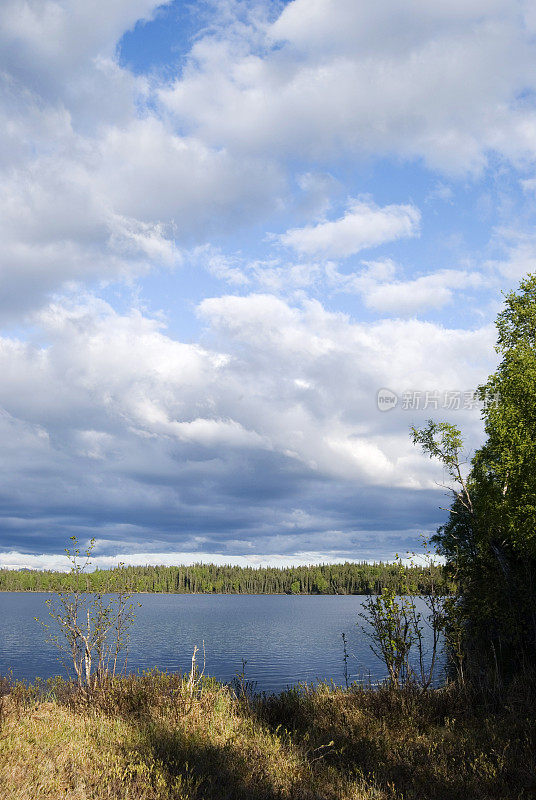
(284, 639)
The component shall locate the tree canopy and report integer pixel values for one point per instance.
(489, 539)
(348, 578)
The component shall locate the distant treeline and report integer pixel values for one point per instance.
(345, 578)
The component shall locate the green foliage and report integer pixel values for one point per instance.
(505, 466)
(361, 578)
(443, 441)
(90, 630)
(395, 629)
(490, 537)
(390, 633)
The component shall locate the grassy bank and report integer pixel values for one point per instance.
(156, 737)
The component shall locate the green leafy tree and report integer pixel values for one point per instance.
(395, 629)
(89, 629)
(489, 539)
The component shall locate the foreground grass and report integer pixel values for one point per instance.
(154, 737)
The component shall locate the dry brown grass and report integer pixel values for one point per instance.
(441, 745)
(150, 738)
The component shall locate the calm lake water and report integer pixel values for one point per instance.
(284, 639)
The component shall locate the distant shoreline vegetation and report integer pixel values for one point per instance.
(325, 579)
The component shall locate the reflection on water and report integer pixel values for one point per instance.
(283, 639)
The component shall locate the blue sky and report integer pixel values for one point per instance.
(227, 225)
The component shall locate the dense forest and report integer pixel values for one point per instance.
(348, 578)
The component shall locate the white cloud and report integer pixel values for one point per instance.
(317, 348)
(440, 82)
(441, 191)
(529, 185)
(364, 225)
(115, 423)
(100, 180)
(518, 254)
(334, 25)
(53, 46)
(427, 292)
(17, 560)
(378, 283)
(148, 172)
(211, 432)
(221, 266)
(94, 183)
(300, 382)
(56, 227)
(117, 205)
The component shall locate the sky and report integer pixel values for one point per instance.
(244, 247)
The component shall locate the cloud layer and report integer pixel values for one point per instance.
(120, 429)
(414, 79)
(324, 196)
